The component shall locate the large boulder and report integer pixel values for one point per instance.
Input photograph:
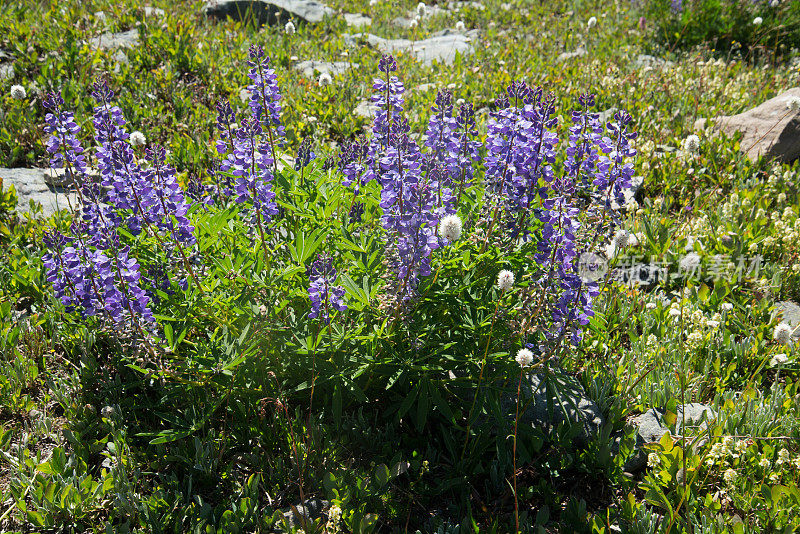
(271, 12)
(551, 402)
(108, 41)
(312, 69)
(771, 129)
(442, 47)
(32, 184)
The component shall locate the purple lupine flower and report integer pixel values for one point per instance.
(521, 150)
(167, 207)
(226, 118)
(614, 171)
(251, 163)
(63, 144)
(353, 164)
(265, 96)
(322, 293)
(464, 153)
(389, 99)
(440, 135)
(677, 7)
(304, 154)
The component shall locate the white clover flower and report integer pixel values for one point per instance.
(591, 23)
(325, 79)
(729, 476)
(138, 139)
(778, 360)
(334, 518)
(793, 103)
(460, 26)
(505, 279)
(691, 144)
(422, 9)
(757, 21)
(764, 463)
(18, 92)
(621, 238)
(450, 228)
(289, 28)
(524, 357)
(782, 333)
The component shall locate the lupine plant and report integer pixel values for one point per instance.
(370, 315)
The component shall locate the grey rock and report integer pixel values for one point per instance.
(310, 510)
(644, 60)
(365, 109)
(153, 11)
(564, 56)
(30, 185)
(271, 12)
(355, 20)
(108, 40)
(311, 69)
(770, 130)
(6, 71)
(553, 406)
(650, 427)
(442, 48)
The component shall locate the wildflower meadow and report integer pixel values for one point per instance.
(391, 266)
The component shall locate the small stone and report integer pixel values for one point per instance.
(311, 69)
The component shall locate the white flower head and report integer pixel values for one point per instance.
(138, 138)
(591, 23)
(373, 3)
(621, 238)
(289, 28)
(691, 144)
(18, 92)
(422, 9)
(505, 279)
(775, 3)
(413, 24)
(764, 463)
(757, 21)
(460, 26)
(782, 333)
(524, 357)
(450, 228)
(651, 306)
(107, 412)
(325, 79)
(778, 360)
(729, 476)
(793, 103)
